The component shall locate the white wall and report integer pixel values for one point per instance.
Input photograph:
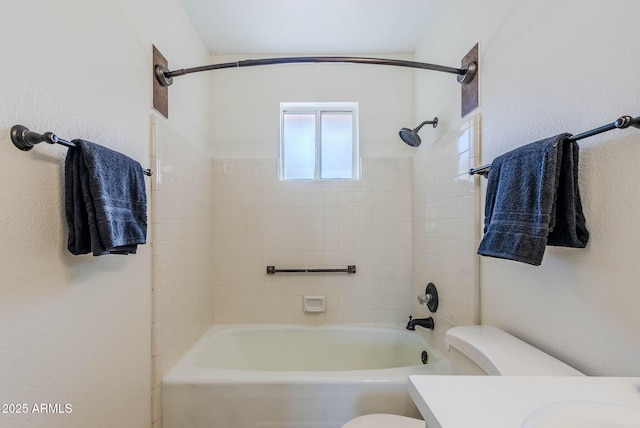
(182, 205)
(261, 221)
(245, 116)
(547, 67)
(77, 329)
(445, 229)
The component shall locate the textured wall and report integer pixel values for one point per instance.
(73, 329)
(549, 67)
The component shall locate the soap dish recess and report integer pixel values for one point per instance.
(314, 304)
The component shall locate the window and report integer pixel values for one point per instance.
(319, 141)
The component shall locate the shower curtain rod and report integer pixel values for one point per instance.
(621, 123)
(24, 139)
(465, 74)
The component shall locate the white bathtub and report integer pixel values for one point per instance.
(294, 376)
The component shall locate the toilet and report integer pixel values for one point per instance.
(384, 421)
(480, 350)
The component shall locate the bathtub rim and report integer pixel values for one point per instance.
(187, 371)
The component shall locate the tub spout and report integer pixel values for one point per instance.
(422, 322)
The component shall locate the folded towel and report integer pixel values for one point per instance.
(570, 228)
(532, 201)
(106, 201)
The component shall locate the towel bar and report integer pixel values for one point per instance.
(621, 123)
(24, 139)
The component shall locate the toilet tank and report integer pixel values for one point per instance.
(487, 350)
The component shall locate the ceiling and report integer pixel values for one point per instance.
(318, 27)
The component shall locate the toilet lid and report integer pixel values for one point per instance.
(384, 421)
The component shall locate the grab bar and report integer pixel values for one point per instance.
(272, 270)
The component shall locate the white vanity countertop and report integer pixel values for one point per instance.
(507, 401)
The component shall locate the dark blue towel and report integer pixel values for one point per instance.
(106, 201)
(533, 200)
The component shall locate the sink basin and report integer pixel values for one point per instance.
(583, 414)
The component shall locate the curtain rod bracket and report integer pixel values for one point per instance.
(470, 70)
(161, 73)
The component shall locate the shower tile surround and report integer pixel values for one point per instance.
(181, 215)
(446, 228)
(218, 224)
(260, 220)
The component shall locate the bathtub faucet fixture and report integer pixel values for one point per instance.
(422, 322)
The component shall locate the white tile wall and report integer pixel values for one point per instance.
(446, 227)
(217, 225)
(259, 220)
(181, 238)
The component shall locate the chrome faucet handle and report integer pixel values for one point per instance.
(423, 299)
(430, 297)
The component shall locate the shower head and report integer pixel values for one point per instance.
(411, 137)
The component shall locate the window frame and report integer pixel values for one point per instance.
(317, 108)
